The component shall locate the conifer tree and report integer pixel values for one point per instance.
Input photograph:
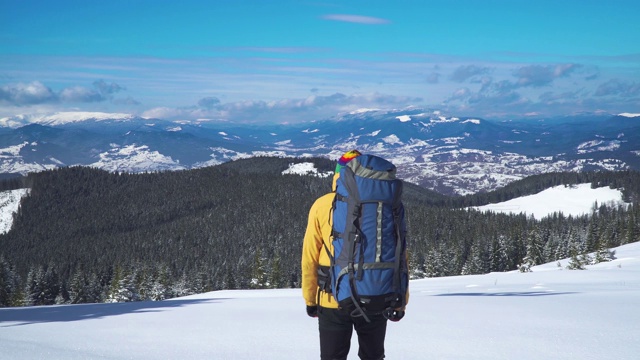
(258, 272)
(534, 251)
(179, 288)
(576, 263)
(35, 288)
(577, 260)
(113, 294)
(603, 254)
(594, 234)
(502, 251)
(417, 265)
(78, 288)
(276, 274)
(161, 284)
(475, 263)
(9, 284)
(50, 286)
(632, 232)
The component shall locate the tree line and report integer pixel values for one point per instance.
(87, 235)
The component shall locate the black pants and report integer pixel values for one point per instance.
(336, 327)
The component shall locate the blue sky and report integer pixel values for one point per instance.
(288, 61)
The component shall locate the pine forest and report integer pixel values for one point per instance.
(85, 235)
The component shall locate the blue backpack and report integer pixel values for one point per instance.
(368, 270)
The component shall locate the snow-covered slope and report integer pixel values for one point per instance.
(574, 200)
(549, 313)
(546, 314)
(61, 118)
(135, 158)
(306, 168)
(9, 204)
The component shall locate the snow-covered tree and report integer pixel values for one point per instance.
(603, 254)
(181, 287)
(534, 251)
(476, 262)
(50, 286)
(276, 275)
(10, 292)
(259, 279)
(34, 288)
(502, 251)
(123, 286)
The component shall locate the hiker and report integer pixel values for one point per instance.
(337, 319)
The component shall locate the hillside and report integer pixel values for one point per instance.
(95, 236)
(570, 200)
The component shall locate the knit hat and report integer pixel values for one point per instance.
(348, 156)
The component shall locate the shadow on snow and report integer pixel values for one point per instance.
(66, 313)
(509, 293)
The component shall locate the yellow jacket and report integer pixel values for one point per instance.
(318, 231)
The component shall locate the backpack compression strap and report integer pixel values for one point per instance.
(352, 235)
(400, 251)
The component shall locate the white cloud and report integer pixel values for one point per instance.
(358, 19)
(80, 94)
(36, 93)
(314, 107)
(165, 113)
(26, 94)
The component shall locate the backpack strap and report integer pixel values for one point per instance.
(334, 233)
(400, 242)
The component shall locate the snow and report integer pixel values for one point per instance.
(546, 314)
(629, 115)
(549, 313)
(598, 145)
(307, 168)
(134, 158)
(13, 150)
(473, 121)
(572, 200)
(404, 118)
(362, 111)
(451, 140)
(61, 118)
(392, 139)
(9, 204)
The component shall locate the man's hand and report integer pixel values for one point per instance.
(312, 311)
(394, 315)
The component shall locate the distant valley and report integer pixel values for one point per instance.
(451, 155)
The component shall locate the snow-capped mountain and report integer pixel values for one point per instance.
(448, 154)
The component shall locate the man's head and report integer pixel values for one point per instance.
(344, 159)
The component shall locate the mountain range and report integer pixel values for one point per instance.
(448, 154)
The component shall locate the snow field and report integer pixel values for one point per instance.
(548, 313)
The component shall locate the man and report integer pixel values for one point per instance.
(336, 324)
